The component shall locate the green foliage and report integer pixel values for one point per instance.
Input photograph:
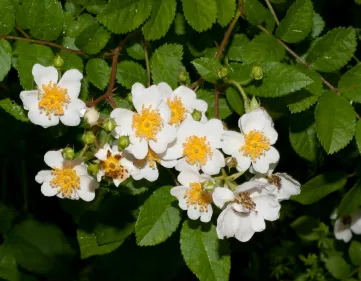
(200, 14)
(225, 10)
(354, 252)
(237, 47)
(349, 84)
(318, 25)
(338, 267)
(235, 101)
(5, 58)
(205, 255)
(358, 135)
(210, 98)
(335, 121)
(13, 109)
(98, 72)
(254, 11)
(304, 226)
(92, 39)
(129, 72)
(240, 73)
(351, 201)
(136, 51)
(8, 266)
(208, 68)
(71, 61)
(7, 16)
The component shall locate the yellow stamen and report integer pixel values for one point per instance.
(178, 111)
(197, 150)
(65, 180)
(196, 197)
(112, 167)
(256, 144)
(53, 99)
(147, 124)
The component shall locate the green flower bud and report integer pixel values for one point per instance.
(254, 104)
(208, 185)
(222, 72)
(123, 142)
(88, 137)
(257, 72)
(58, 61)
(183, 77)
(197, 115)
(93, 168)
(109, 125)
(68, 153)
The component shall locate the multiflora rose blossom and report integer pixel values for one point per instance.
(192, 197)
(248, 207)
(66, 179)
(148, 126)
(52, 100)
(254, 144)
(197, 145)
(344, 226)
(182, 103)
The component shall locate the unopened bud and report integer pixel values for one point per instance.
(183, 77)
(109, 125)
(231, 162)
(208, 185)
(68, 153)
(88, 137)
(257, 72)
(197, 115)
(91, 116)
(93, 168)
(58, 61)
(123, 142)
(254, 104)
(222, 72)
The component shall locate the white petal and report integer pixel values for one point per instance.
(47, 190)
(182, 165)
(207, 215)
(168, 163)
(146, 97)
(200, 105)
(262, 164)
(214, 131)
(221, 195)
(193, 213)
(257, 222)
(214, 165)
(186, 177)
(138, 147)
(87, 188)
(41, 119)
(147, 173)
(270, 133)
(243, 162)
(54, 159)
(178, 191)
(239, 208)
(165, 112)
(254, 120)
(227, 223)
(81, 170)
(70, 118)
(71, 81)
(164, 137)
(123, 118)
(341, 231)
(165, 90)
(267, 206)
(100, 174)
(174, 150)
(101, 154)
(231, 142)
(187, 96)
(43, 176)
(29, 99)
(356, 222)
(244, 232)
(289, 186)
(44, 75)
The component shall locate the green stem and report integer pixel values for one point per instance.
(235, 176)
(146, 61)
(84, 150)
(242, 92)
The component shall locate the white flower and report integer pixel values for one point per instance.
(253, 145)
(192, 197)
(251, 204)
(197, 145)
(344, 226)
(113, 165)
(284, 185)
(67, 179)
(91, 116)
(54, 100)
(149, 126)
(182, 102)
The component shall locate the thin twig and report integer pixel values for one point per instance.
(272, 11)
(146, 60)
(22, 32)
(42, 42)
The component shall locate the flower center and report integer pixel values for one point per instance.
(256, 143)
(346, 220)
(178, 111)
(152, 158)
(65, 180)
(198, 198)
(245, 200)
(148, 123)
(197, 150)
(53, 100)
(275, 180)
(112, 167)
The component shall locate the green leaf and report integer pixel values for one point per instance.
(98, 72)
(351, 201)
(303, 136)
(263, 48)
(206, 256)
(124, 16)
(136, 51)
(237, 47)
(130, 72)
(200, 14)
(338, 267)
(358, 135)
(320, 186)
(14, 109)
(240, 73)
(180, 24)
(297, 23)
(354, 252)
(335, 121)
(7, 16)
(166, 64)
(235, 101)
(254, 11)
(74, 28)
(7, 215)
(96, 6)
(225, 10)
(304, 226)
(279, 80)
(26, 60)
(207, 68)
(209, 97)
(163, 12)
(333, 50)
(8, 266)
(158, 218)
(318, 25)
(40, 248)
(92, 39)
(71, 61)
(5, 58)
(350, 84)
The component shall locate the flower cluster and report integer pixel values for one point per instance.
(167, 128)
